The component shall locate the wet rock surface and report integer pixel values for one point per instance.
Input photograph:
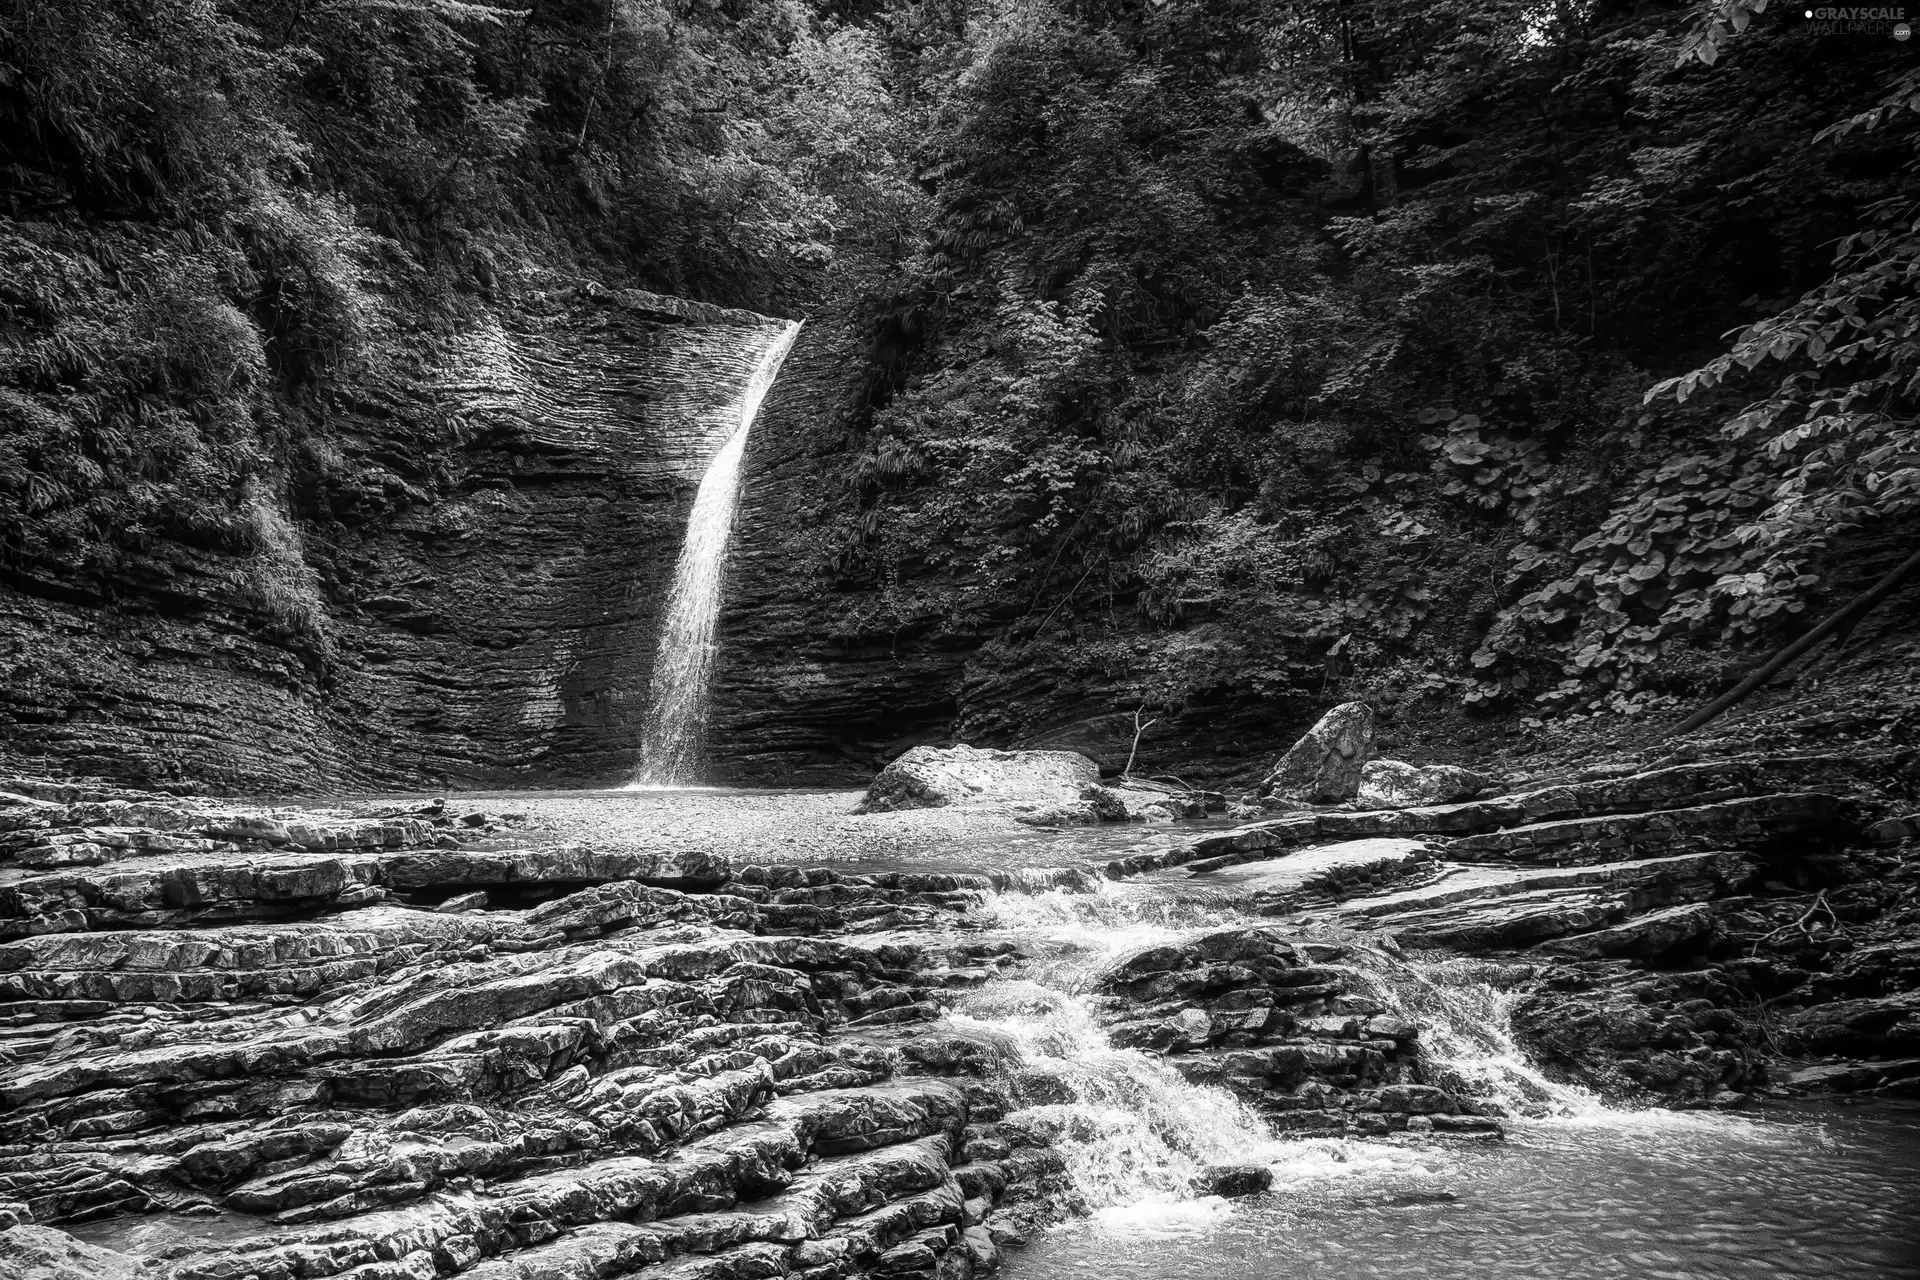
(1298, 1029)
(431, 1039)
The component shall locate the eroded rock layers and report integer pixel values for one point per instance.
(472, 554)
(413, 1043)
(257, 1044)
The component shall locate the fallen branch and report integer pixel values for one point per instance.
(1819, 904)
(1849, 614)
(1071, 592)
(1138, 729)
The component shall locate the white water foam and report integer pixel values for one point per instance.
(1464, 1009)
(1134, 1133)
(673, 740)
(1115, 916)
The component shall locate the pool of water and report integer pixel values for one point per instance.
(808, 827)
(1821, 1193)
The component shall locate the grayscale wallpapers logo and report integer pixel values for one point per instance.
(1860, 20)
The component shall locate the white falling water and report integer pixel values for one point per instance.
(1464, 1009)
(673, 737)
(1134, 1132)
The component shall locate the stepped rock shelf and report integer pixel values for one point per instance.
(410, 1043)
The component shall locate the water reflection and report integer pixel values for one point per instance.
(1646, 1194)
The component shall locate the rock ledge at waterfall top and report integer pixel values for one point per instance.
(932, 777)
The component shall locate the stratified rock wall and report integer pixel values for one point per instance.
(816, 685)
(826, 674)
(485, 527)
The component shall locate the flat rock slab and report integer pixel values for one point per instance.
(1511, 922)
(1653, 934)
(1592, 912)
(1689, 786)
(1324, 868)
(1470, 882)
(1901, 1074)
(1747, 820)
(1874, 1024)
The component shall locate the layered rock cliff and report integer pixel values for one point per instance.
(461, 582)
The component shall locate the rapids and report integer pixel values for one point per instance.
(1577, 1189)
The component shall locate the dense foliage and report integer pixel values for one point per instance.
(1218, 345)
(1274, 347)
(216, 213)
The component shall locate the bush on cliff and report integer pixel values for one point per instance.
(1324, 336)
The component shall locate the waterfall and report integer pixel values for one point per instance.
(673, 736)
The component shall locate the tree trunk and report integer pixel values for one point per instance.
(1848, 614)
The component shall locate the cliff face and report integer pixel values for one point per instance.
(810, 688)
(475, 538)
(827, 672)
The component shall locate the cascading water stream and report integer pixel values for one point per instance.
(1464, 1009)
(1133, 1132)
(673, 736)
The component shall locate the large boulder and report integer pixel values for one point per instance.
(1324, 766)
(932, 777)
(1394, 784)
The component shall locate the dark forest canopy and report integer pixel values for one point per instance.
(1227, 341)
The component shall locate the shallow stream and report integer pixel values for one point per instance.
(1576, 1190)
(1823, 1193)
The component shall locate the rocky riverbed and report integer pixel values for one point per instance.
(734, 1034)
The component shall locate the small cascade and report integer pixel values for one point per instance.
(1464, 1009)
(1114, 915)
(1133, 1133)
(673, 737)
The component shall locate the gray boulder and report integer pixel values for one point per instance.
(1324, 766)
(1096, 804)
(933, 777)
(1107, 804)
(1393, 784)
